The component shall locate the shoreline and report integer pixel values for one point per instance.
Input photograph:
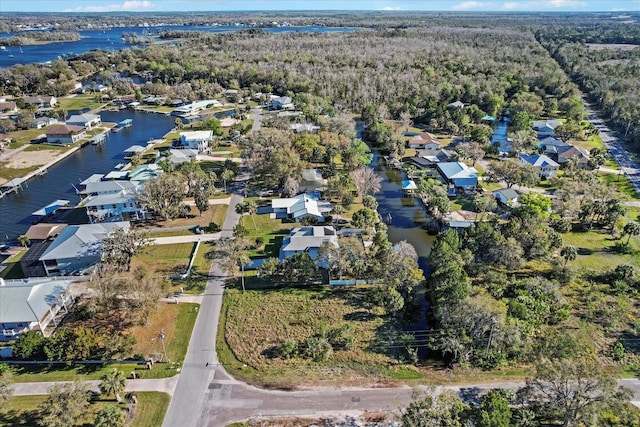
(44, 168)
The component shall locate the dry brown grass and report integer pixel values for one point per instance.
(163, 319)
(258, 322)
(214, 214)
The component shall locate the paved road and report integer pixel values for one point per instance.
(191, 393)
(256, 116)
(619, 154)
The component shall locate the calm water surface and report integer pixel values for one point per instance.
(16, 209)
(112, 40)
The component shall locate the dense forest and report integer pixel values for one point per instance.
(35, 37)
(604, 59)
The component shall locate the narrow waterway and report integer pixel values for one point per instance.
(16, 208)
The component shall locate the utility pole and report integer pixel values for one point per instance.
(164, 348)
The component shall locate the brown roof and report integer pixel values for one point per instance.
(64, 130)
(425, 137)
(8, 105)
(38, 99)
(43, 231)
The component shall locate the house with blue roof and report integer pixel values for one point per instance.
(458, 174)
(546, 167)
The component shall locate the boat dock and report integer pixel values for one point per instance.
(126, 123)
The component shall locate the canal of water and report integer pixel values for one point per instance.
(16, 208)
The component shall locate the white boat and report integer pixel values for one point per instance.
(3, 48)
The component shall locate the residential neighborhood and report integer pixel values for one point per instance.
(294, 218)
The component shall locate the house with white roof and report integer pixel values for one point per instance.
(77, 247)
(85, 120)
(197, 140)
(545, 166)
(282, 103)
(300, 206)
(308, 240)
(458, 174)
(32, 304)
(114, 207)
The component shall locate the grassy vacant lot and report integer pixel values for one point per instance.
(594, 250)
(150, 411)
(164, 260)
(175, 320)
(81, 102)
(257, 322)
(621, 182)
(215, 213)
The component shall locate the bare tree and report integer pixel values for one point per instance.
(291, 187)
(121, 246)
(366, 181)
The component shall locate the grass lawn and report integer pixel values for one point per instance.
(593, 251)
(271, 230)
(621, 182)
(22, 137)
(13, 269)
(255, 323)
(150, 411)
(81, 102)
(197, 281)
(164, 260)
(176, 320)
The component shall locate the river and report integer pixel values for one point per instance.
(111, 39)
(16, 208)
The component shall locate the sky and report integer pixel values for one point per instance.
(233, 5)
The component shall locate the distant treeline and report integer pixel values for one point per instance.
(36, 37)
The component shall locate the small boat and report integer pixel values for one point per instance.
(3, 48)
(21, 49)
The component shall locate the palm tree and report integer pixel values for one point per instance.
(112, 382)
(23, 240)
(569, 253)
(631, 229)
(252, 209)
(241, 209)
(226, 175)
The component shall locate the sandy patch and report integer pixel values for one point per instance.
(27, 159)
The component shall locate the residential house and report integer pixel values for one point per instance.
(507, 197)
(86, 120)
(122, 206)
(429, 158)
(77, 247)
(409, 186)
(304, 128)
(8, 108)
(460, 219)
(282, 103)
(196, 140)
(456, 104)
(312, 181)
(133, 150)
(65, 134)
(195, 107)
(581, 156)
(32, 304)
(96, 188)
(300, 206)
(545, 166)
(41, 101)
(458, 174)
(41, 122)
(43, 231)
(545, 128)
(177, 157)
(424, 140)
(308, 240)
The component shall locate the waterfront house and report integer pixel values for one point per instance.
(65, 134)
(409, 186)
(195, 107)
(424, 140)
(96, 188)
(41, 101)
(507, 197)
(458, 174)
(43, 231)
(77, 248)
(426, 159)
(86, 120)
(546, 167)
(308, 240)
(545, 128)
(300, 206)
(32, 304)
(460, 219)
(41, 122)
(196, 140)
(177, 157)
(121, 206)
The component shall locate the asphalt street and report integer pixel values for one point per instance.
(618, 153)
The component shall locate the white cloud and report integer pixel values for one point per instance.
(390, 8)
(126, 6)
(471, 5)
(543, 5)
